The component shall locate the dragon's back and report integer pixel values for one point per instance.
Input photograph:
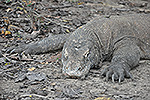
(111, 30)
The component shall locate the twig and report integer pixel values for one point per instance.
(12, 61)
(10, 69)
(19, 19)
(12, 77)
(28, 95)
(58, 7)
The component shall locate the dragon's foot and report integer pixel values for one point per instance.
(116, 72)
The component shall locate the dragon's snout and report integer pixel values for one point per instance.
(72, 69)
(75, 69)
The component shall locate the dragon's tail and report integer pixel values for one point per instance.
(48, 44)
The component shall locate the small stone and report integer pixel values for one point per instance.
(36, 76)
(53, 84)
(20, 77)
(147, 11)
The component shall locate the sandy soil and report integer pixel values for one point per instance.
(39, 77)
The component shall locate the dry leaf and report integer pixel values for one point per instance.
(31, 69)
(2, 31)
(80, 3)
(53, 84)
(7, 33)
(67, 31)
(7, 10)
(103, 98)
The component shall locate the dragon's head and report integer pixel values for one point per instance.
(78, 56)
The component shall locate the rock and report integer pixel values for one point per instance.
(35, 76)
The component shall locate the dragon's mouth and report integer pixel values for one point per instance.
(75, 74)
(75, 70)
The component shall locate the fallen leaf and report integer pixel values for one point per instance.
(53, 84)
(42, 62)
(65, 20)
(6, 20)
(7, 33)
(14, 57)
(80, 3)
(20, 8)
(67, 31)
(19, 12)
(2, 31)
(80, 27)
(35, 32)
(25, 11)
(9, 9)
(31, 69)
(27, 59)
(5, 17)
(46, 63)
(147, 10)
(11, 27)
(103, 98)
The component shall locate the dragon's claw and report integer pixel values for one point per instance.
(116, 72)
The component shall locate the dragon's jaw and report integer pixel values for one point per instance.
(75, 70)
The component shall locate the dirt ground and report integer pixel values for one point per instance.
(39, 77)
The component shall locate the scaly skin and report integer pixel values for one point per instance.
(123, 39)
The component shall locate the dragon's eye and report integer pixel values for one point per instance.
(86, 54)
(65, 58)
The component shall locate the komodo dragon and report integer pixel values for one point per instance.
(122, 39)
